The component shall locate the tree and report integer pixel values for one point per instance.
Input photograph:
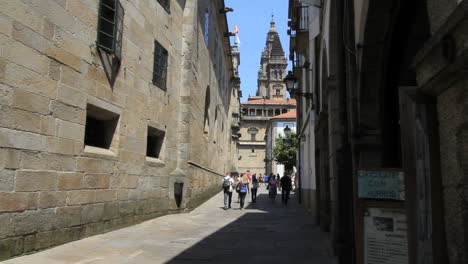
(284, 151)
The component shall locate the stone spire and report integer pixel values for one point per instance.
(272, 23)
(273, 65)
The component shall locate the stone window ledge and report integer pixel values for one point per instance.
(154, 162)
(90, 151)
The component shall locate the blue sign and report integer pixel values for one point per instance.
(381, 184)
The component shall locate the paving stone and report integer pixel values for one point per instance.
(267, 232)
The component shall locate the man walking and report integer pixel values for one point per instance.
(286, 186)
(228, 181)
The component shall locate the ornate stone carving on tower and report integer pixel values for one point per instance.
(272, 70)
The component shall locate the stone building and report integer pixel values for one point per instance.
(389, 94)
(112, 112)
(270, 100)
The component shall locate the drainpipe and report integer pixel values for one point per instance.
(345, 234)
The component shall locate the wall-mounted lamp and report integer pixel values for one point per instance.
(292, 88)
(225, 10)
(229, 34)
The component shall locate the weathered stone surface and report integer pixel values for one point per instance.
(52, 199)
(28, 37)
(20, 77)
(105, 195)
(93, 165)
(68, 216)
(7, 180)
(71, 96)
(11, 247)
(70, 181)
(80, 197)
(67, 112)
(92, 213)
(28, 180)
(111, 211)
(10, 202)
(6, 226)
(31, 102)
(33, 221)
(96, 181)
(64, 57)
(21, 139)
(69, 130)
(29, 243)
(20, 119)
(63, 146)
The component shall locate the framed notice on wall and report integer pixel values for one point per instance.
(385, 238)
(380, 184)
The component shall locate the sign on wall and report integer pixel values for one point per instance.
(385, 238)
(381, 184)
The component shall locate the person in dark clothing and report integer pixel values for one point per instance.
(285, 185)
(254, 189)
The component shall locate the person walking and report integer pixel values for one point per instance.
(237, 183)
(243, 190)
(228, 182)
(254, 189)
(272, 188)
(286, 186)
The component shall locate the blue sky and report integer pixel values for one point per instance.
(253, 19)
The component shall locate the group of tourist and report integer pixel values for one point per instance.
(245, 183)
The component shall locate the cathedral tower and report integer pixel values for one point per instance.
(272, 70)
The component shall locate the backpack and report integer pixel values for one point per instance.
(226, 183)
(243, 187)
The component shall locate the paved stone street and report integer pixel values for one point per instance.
(265, 232)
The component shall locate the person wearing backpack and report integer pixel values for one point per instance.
(243, 190)
(228, 181)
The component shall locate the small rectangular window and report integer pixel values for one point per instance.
(166, 4)
(253, 137)
(160, 65)
(154, 142)
(110, 27)
(100, 127)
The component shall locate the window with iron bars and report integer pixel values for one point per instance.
(110, 27)
(160, 65)
(166, 4)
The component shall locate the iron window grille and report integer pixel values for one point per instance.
(166, 4)
(110, 27)
(160, 65)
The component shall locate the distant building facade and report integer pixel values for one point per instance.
(112, 113)
(275, 129)
(270, 100)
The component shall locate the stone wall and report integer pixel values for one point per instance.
(453, 117)
(54, 188)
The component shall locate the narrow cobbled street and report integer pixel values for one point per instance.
(264, 232)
